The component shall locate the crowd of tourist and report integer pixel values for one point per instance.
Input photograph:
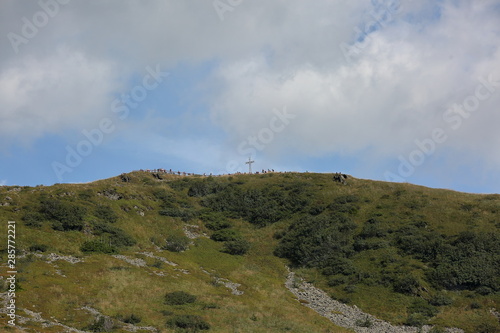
(183, 173)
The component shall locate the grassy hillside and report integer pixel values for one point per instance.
(404, 253)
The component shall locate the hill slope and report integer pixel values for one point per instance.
(163, 252)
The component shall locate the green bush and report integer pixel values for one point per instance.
(236, 247)
(364, 322)
(259, 206)
(337, 280)
(132, 319)
(225, 235)
(106, 214)
(205, 187)
(86, 195)
(487, 328)
(421, 306)
(38, 248)
(176, 243)
(163, 195)
(407, 284)
(350, 288)
(33, 219)
(441, 299)
(483, 290)
(215, 221)
(101, 324)
(416, 319)
(116, 236)
(183, 213)
(475, 305)
(314, 241)
(97, 246)
(66, 216)
(179, 298)
(189, 322)
(339, 266)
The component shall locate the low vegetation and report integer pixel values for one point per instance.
(406, 254)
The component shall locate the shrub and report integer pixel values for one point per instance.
(407, 284)
(205, 187)
(416, 319)
(163, 195)
(258, 206)
(236, 247)
(176, 243)
(132, 319)
(350, 288)
(66, 216)
(486, 327)
(313, 240)
(86, 195)
(114, 235)
(210, 306)
(372, 230)
(97, 246)
(421, 306)
(179, 298)
(106, 214)
(158, 263)
(38, 247)
(339, 266)
(440, 299)
(364, 322)
(370, 244)
(101, 324)
(190, 322)
(316, 210)
(215, 221)
(337, 280)
(33, 219)
(475, 305)
(483, 290)
(224, 235)
(183, 213)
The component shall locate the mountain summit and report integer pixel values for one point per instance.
(274, 252)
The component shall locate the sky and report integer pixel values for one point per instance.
(391, 90)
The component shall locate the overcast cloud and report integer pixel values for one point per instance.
(363, 79)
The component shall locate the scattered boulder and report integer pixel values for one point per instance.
(340, 177)
(125, 178)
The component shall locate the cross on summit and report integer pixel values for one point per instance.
(249, 164)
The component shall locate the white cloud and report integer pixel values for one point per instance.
(395, 91)
(65, 90)
(268, 54)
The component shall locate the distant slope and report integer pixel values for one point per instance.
(104, 255)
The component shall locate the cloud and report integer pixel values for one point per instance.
(64, 75)
(414, 60)
(395, 91)
(65, 90)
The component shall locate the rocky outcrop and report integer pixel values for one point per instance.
(133, 261)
